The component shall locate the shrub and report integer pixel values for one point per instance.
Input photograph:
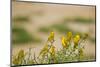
(72, 50)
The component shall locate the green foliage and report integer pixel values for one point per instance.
(44, 29)
(79, 19)
(61, 28)
(20, 35)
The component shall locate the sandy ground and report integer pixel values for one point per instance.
(50, 14)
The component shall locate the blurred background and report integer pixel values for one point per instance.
(32, 23)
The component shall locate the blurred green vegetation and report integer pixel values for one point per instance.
(61, 28)
(44, 29)
(20, 35)
(20, 19)
(79, 19)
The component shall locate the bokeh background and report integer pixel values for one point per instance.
(32, 23)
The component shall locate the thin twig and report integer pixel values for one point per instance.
(35, 59)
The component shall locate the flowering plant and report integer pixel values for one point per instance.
(72, 50)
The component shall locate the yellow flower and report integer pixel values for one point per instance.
(44, 50)
(52, 53)
(69, 36)
(64, 42)
(15, 61)
(76, 39)
(21, 54)
(51, 37)
(19, 58)
(52, 50)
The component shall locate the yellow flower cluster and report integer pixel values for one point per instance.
(52, 50)
(64, 42)
(44, 50)
(67, 40)
(76, 40)
(51, 37)
(69, 36)
(48, 48)
(19, 58)
(49, 51)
